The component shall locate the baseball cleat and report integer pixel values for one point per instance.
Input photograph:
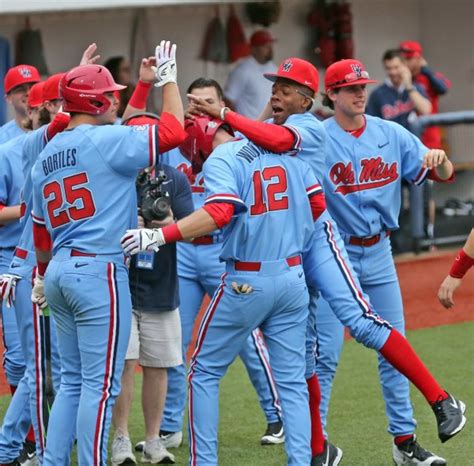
(154, 452)
(28, 455)
(449, 416)
(274, 434)
(331, 456)
(122, 451)
(410, 452)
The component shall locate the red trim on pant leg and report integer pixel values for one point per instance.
(109, 372)
(38, 372)
(200, 338)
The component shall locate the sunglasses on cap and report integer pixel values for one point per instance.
(352, 77)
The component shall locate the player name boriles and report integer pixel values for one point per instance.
(374, 173)
(62, 159)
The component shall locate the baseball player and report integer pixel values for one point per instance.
(462, 263)
(200, 271)
(327, 267)
(83, 199)
(366, 160)
(17, 83)
(31, 326)
(264, 282)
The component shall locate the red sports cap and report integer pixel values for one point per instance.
(345, 73)
(142, 118)
(18, 75)
(298, 70)
(35, 96)
(51, 87)
(261, 37)
(411, 48)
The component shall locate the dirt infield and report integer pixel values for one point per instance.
(420, 278)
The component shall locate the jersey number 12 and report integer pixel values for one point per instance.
(73, 192)
(277, 187)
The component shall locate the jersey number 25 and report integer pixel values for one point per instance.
(73, 192)
(277, 187)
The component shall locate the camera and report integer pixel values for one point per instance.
(154, 202)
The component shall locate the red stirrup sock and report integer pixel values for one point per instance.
(317, 436)
(12, 389)
(402, 438)
(30, 436)
(399, 353)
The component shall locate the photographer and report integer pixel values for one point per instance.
(164, 194)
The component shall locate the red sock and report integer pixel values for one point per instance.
(317, 436)
(12, 389)
(399, 353)
(401, 438)
(30, 436)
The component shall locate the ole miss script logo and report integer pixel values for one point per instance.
(374, 173)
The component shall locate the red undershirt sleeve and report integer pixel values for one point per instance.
(220, 212)
(272, 137)
(432, 175)
(170, 132)
(318, 205)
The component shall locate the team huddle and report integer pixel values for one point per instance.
(290, 219)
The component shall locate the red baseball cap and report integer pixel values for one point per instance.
(51, 87)
(18, 75)
(298, 70)
(35, 96)
(411, 48)
(345, 73)
(261, 37)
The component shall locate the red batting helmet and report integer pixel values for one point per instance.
(298, 70)
(18, 75)
(198, 145)
(83, 89)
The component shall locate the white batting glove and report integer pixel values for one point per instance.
(142, 239)
(37, 293)
(166, 71)
(8, 287)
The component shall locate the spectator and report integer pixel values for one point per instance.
(121, 70)
(17, 84)
(435, 84)
(247, 91)
(400, 100)
(155, 339)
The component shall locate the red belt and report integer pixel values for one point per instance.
(76, 253)
(367, 241)
(21, 253)
(256, 266)
(203, 241)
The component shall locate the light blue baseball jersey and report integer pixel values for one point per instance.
(363, 175)
(270, 194)
(84, 185)
(33, 144)
(9, 131)
(11, 182)
(310, 140)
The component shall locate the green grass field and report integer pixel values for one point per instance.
(357, 422)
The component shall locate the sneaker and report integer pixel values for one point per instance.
(331, 456)
(122, 451)
(411, 452)
(154, 452)
(169, 440)
(28, 455)
(449, 416)
(274, 434)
